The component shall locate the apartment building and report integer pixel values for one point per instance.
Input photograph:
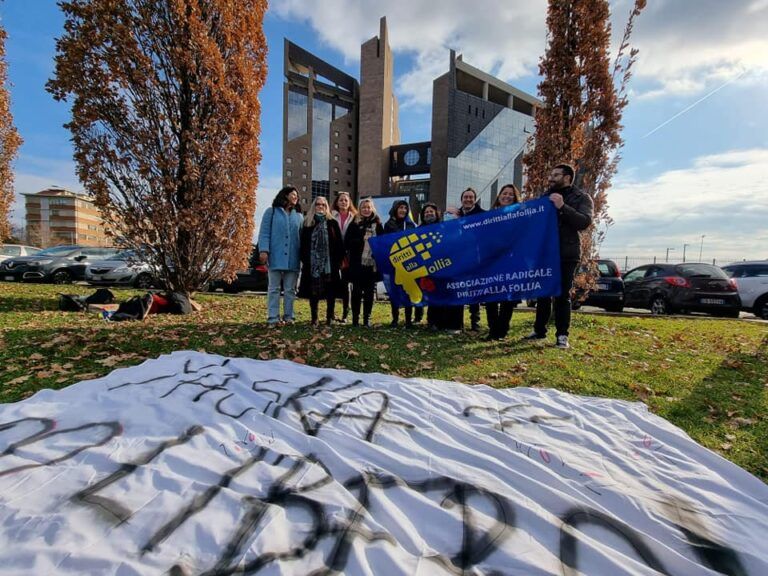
(56, 216)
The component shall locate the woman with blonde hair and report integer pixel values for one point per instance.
(344, 212)
(322, 250)
(499, 314)
(362, 267)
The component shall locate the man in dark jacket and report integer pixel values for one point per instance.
(574, 214)
(469, 207)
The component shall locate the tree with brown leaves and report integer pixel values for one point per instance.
(9, 145)
(584, 99)
(165, 124)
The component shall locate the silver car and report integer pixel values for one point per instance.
(752, 281)
(127, 268)
(13, 250)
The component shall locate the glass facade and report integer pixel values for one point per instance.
(488, 162)
(322, 113)
(297, 114)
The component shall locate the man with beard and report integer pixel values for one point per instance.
(574, 214)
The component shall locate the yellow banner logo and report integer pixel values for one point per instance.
(412, 259)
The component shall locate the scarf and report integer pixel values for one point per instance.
(367, 259)
(320, 255)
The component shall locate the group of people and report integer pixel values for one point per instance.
(329, 248)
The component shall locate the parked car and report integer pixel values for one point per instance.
(752, 282)
(610, 289)
(254, 278)
(15, 250)
(693, 287)
(59, 264)
(126, 268)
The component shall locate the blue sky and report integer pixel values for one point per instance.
(703, 173)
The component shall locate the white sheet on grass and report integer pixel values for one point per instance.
(200, 464)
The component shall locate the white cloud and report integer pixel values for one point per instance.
(685, 47)
(502, 37)
(721, 196)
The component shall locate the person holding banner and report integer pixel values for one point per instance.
(322, 250)
(574, 214)
(499, 314)
(469, 207)
(400, 220)
(448, 318)
(279, 250)
(344, 212)
(362, 267)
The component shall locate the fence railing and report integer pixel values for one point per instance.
(629, 262)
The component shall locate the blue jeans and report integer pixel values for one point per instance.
(287, 280)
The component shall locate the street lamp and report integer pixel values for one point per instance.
(668, 249)
(684, 247)
(701, 246)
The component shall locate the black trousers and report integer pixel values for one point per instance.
(499, 315)
(410, 315)
(474, 315)
(330, 305)
(362, 292)
(561, 304)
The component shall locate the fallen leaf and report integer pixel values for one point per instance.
(18, 380)
(36, 357)
(299, 360)
(264, 355)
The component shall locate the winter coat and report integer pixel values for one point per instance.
(475, 210)
(336, 250)
(395, 225)
(354, 242)
(279, 235)
(574, 216)
(347, 222)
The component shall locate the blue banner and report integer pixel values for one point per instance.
(511, 253)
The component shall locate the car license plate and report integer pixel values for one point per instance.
(712, 301)
(10, 278)
(603, 286)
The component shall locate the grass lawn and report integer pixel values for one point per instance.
(709, 377)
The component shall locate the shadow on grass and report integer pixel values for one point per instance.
(726, 411)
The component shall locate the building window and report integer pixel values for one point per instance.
(336, 170)
(335, 157)
(336, 145)
(336, 133)
(92, 227)
(304, 189)
(476, 111)
(289, 160)
(349, 148)
(289, 173)
(349, 172)
(297, 115)
(469, 128)
(349, 160)
(469, 109)
(349, 136)
(336, 181)
(303, 162)
(349, 184)
(304, 176)
(304, 150)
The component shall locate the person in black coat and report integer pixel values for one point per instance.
(400, 220)
(440, 317)
(362, 270)
(321, 251)
(469, 207)
(499, 314)
(574, 214)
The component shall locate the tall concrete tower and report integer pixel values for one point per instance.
(378, 127)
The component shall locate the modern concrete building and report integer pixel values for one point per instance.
(57, 216)
(320, 126)
(480, 127)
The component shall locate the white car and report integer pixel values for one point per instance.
(124, 269)
(752, 281)
(13, 250)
